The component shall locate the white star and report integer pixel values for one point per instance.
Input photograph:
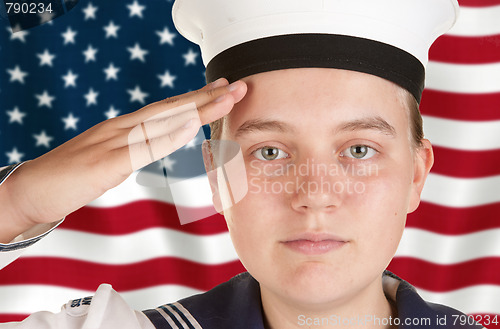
(42, 139)
(90, 54)
(167, 163)
(167, 79)
(15, 115)
(190, 57)
(45, 99)
(46, 17)
(136, 9)
(46, 58)
(111, 72)
(91, 97)
(112, 112)
(166, 36)
(70, 122)
(111, 30)
(89, 11)
(191, 144)
(17, 33)
(137, 52)
(69, 36)
(14, 156)
(69, 79)
(16, 74)
(137, 95)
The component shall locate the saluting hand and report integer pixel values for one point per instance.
(63, 180)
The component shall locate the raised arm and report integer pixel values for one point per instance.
(48, 188)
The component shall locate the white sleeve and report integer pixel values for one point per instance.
(11, 251)
(106, 309)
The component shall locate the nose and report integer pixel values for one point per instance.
(320, 188)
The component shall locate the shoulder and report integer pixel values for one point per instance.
(232, 304)
(414, 311)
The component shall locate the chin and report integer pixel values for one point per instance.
(316, 283)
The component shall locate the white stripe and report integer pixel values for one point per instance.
(152, 297)
(463, 135)
(439, 189)
(177, 316)
(188, 315)
(463, 78)
(130, 191)
(27, 299)
(447, 250)
(471, 300)
(461, 192)
(135, 247)
(167, 317)
(476, 22)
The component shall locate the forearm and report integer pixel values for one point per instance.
(11, 220)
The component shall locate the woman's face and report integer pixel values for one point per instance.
(331, 177)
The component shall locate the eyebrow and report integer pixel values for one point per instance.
(257, 125)
(373, 123)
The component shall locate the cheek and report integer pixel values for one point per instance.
(380, 210)
(251, 223)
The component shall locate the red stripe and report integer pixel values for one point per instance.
(466, 164)
(120, 220)
(445, 278)
(138, 216)
(6, 317)
(466, 50)
(478, 3)
(88, 276)
(454, 221)
(468, 107)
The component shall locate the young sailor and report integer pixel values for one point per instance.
(332, 86)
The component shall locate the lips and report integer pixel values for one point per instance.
(314, 244)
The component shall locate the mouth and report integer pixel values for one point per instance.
(314, 244)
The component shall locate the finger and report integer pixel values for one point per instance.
(199, 97)
(150, 150)
(216, 84)
(222, 105)
(203, 96)
(216, 109)
(162, 124)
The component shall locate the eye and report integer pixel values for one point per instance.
(268, 153)
(362, 152)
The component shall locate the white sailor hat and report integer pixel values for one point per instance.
(386, 38)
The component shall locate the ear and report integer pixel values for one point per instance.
(422, 163)
(211, 170)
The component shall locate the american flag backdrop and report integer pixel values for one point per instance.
(109, 57)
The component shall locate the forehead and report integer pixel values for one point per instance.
(318, 99)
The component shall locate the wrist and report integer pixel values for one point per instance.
(12, 219)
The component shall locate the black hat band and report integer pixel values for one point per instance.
(319, 50)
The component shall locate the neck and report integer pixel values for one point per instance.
(369, 309)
